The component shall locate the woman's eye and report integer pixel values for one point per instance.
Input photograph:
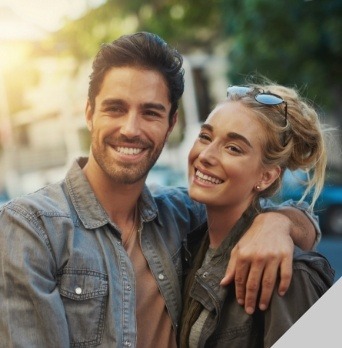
(234, 149)
(204, 136)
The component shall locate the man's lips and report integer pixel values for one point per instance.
(128, 150)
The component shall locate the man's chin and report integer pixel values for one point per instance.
(127, 178)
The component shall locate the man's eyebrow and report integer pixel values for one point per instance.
(111, 101)
(156, 106)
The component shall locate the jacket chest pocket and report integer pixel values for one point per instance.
(84, 294)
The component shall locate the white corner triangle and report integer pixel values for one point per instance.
(319, 326)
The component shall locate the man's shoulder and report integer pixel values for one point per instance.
(176, 200)
(167, 195)
(50, 199)
(168, 191)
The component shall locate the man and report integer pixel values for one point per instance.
(95, 260)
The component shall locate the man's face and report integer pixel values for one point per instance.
(130, 123)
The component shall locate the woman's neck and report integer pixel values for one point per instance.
(221, 220)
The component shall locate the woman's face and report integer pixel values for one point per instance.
(225, 161)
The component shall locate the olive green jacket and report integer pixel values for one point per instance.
(226, 323)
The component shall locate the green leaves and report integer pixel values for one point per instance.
(293, 41)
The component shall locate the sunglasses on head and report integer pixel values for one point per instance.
(265, 98)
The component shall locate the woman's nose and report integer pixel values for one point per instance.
(209, 154)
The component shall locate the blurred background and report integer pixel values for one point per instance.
(46, 49)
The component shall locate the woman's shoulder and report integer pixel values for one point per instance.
(316, 267)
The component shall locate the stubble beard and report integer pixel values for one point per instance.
(124, 173)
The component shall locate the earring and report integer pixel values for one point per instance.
(257, 187)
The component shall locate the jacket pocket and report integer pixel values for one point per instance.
(84, 294)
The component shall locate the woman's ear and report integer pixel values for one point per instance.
(268, 178)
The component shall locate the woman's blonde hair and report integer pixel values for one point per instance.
(296, 144)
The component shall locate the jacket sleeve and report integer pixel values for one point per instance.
(269, 205)
(32, 313)
(312, 277)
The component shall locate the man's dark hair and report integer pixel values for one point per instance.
(142, 50)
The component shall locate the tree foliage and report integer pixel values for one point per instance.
(296, 42)
(293, 42)
(186, 25)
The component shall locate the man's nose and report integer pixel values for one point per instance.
(131, 126)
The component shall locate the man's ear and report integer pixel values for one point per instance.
(89, 116)
(172, 124)
(268, 177)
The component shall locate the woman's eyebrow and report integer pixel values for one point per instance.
(207, 126)
(230, 135)
(233, 135)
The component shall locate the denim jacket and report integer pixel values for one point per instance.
(67, 281)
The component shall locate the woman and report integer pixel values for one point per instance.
(240, 156)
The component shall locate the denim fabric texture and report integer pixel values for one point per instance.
(66, 279)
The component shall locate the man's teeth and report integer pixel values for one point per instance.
(128, 150)
(208, 178)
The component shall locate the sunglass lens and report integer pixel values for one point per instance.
(239, 90)
(268, 99)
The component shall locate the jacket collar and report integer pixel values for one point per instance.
(89, 209)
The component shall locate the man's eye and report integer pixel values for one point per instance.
(114, 109)
(152, 113)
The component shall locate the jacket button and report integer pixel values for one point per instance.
(161, 276)
(205, 274)
(78, 290)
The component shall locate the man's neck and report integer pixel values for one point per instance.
(117, 199)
